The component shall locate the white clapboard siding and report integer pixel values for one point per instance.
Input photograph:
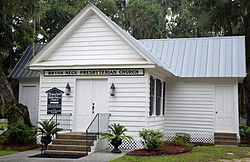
(128, 105)
(189, 107)
(47, 83)
(95, 40)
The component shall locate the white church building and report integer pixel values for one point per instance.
(172, 85)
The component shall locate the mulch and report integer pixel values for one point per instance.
(165, 149)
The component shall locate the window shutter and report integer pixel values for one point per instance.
(152, 89)
(163, 98)
(158, 97)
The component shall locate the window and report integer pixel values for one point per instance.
(163, 98)
(157, 97)
(152, 89)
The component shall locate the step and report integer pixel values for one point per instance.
(225, 135)
(76, 136)
(221, 142)
(225, 138)
(68, 147)
(72, 142)
(61, 152)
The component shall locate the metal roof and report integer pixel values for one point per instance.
(19, 71)
(201, 57)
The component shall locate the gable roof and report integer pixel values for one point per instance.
(40, 60)
(182, 57)
(19, 71)
(201, 57)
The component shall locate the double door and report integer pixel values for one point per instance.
(91, 98)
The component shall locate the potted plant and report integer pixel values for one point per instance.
(116, 135)
(47, 130)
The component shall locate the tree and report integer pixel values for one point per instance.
(16, 33)
(145, 19)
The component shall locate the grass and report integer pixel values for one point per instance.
(199, 153)
(7, 152)
(11, 150)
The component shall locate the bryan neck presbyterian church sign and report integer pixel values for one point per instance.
(54, 101)
(94, 72)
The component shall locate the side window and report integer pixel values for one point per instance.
(163, 97)
(152, 90)
(158, 96)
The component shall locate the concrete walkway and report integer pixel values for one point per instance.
(102, 156)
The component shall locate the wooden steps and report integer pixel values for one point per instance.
(71, 144)
(225, 139)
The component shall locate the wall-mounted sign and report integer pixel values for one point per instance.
(94, 72)
(54, 101)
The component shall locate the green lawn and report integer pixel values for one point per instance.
(9, 150)
(199, 153)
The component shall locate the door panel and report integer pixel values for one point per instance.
(91, 98)
(100, 96)
(224, 109)
(29, 97)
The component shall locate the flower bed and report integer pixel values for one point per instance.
(165, 149)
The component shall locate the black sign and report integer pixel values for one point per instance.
(94, 72)
(54, 101)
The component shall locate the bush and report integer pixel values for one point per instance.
(19, 133)
(245, 132)
(3, 125)
(181, 139)
(152, 139)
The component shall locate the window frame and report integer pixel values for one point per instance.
(153, 97)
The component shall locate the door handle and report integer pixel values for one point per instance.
(93, 108)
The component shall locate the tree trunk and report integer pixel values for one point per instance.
(11, 108)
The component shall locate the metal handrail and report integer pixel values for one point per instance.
(87, 143)
(98, 131)
(52, 117)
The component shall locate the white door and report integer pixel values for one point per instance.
(91, 98)
(28, 98)
(224, 109)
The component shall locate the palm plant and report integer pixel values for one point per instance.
(116, 136)
(48, 129)
(117, 132)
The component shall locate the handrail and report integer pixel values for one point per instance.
(92, 122)
(52, 117)
(97, 127)
(87, 143)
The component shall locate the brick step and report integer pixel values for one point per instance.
(60, 152)
(221, 142)
(68, 147)
(225, 138)
(225, 135)
(72, 142)
(76, 136)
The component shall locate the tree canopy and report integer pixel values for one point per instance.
(38, 21)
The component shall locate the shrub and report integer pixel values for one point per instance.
(3, 125)
(152, 139)
(181, 139)
(245, 132)
(19, 133)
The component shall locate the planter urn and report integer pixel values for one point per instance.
(116, 143)
(46, 140)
